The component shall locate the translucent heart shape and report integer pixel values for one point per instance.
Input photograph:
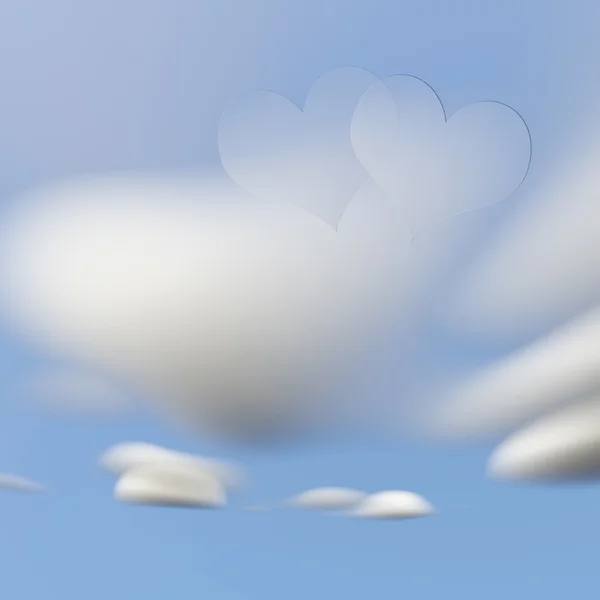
(432, 167)
(275, 150)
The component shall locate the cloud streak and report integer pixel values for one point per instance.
(541, 267)
(14, 483)
(552, 372)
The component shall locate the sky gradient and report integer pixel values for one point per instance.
(140, 85)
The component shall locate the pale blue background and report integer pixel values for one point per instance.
(140, 84)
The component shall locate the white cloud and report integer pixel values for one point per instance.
(121, 458)
(13, 483)
(171, 483)
(555, 370)
(227, 313)
(563, 446)
(328, 498)
(75, 391)
(393, 505)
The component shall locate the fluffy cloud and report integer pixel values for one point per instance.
(229, 314)
(329, 498)
(128, 456)
(393, 505)
(171, 483)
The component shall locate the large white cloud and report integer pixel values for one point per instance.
(234, 314)
(555, 370)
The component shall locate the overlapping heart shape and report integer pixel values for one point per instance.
(355, 127)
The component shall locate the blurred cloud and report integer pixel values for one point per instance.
(171, 483)
(561, 447)
(555, 370)
(393, 505)
(13, 483)
(75, 391)
(124, 457)
(328, 498)
(230, 314)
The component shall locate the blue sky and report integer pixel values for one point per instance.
(135, 84)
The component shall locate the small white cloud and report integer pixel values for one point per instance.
(13, 483)
(563, 446)
(171, 483)
(393, 505)
(127, 456)
(328, 498)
